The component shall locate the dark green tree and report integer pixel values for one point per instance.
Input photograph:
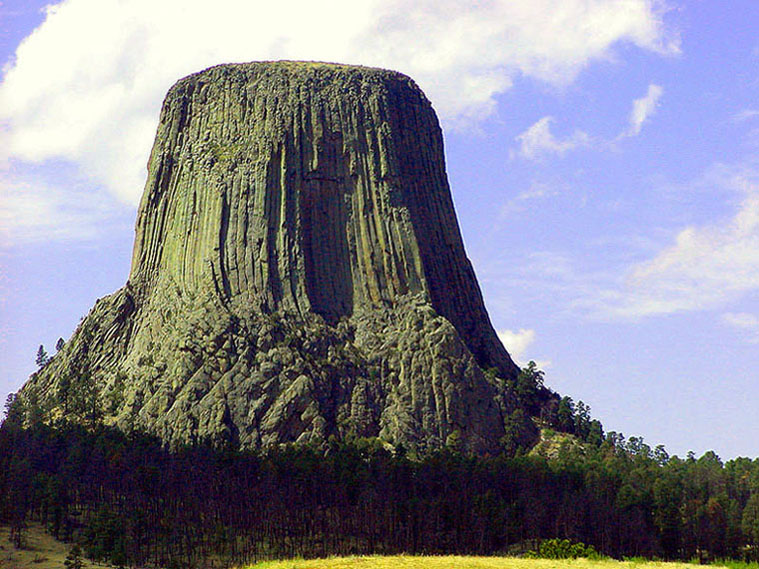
(59, 345)
(517, 426)
(11, 410)
(64, 390)
(42, 357)
(667, 492)
(115, 396)
(595, 433)
(529, 384)
(565, 415)
(85, 401)
(74, 558)
(34, 414)
(582, 420)
(750, 523)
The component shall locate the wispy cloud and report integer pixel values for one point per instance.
(699, 267)
(538, 190)
(745, 115)
(35, 211)
(538, 140)
(643, 109)
(745, 322)
(705, 266)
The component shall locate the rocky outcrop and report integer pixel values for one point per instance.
(298, 272)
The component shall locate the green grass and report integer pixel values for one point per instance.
(40, 551)
(732, 564)
(459, 562)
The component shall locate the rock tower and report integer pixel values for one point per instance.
(298, 272)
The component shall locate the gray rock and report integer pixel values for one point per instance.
(298, 272)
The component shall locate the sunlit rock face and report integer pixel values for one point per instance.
(298, 272)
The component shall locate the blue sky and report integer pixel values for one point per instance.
(603, 158)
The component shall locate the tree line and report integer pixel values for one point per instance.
(126, 499)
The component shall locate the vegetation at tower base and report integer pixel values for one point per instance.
(298, 273)
(130, 500)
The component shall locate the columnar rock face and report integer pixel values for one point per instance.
(298, 272)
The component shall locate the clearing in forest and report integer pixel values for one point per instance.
(461, 562)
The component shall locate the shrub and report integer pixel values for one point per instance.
(564, 549)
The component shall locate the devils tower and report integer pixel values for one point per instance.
(298, 273)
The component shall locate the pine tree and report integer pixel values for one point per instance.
(750, 523)
(10, 402)
(42, 357)
(74, 558)
(83, 399)
(64, 391)
(59, 345)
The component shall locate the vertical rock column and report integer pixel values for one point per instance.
(307, 187)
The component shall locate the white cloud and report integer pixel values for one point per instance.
(643, 109)
(746, 322)
(86, 86)
(37, 212)
(745, 115)
(538, 190)
(697, 267)
(703, 267)
(538, 140)
(516, 343)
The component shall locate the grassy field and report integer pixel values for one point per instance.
(40, 551)
(455, 562)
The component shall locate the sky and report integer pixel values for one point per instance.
(603, 157)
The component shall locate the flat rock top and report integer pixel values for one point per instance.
(310, 73)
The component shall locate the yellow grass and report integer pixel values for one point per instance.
(459, 562)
